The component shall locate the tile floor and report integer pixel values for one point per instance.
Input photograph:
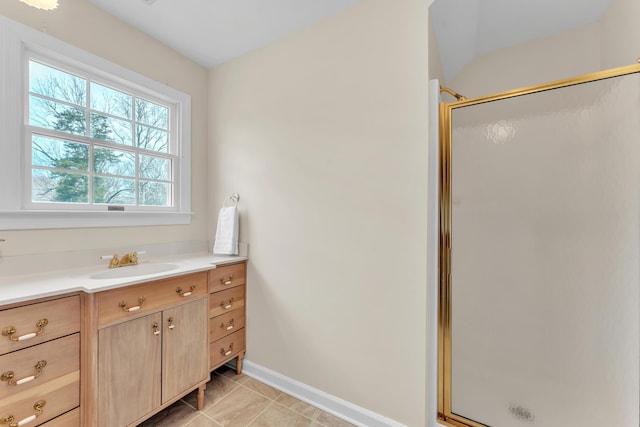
(240, 401)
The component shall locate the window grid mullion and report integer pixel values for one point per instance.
(91, 174)
(133, 131)
(88, 109)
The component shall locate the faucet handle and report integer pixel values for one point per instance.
(114, 259)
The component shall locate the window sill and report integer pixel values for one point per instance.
(32, 220)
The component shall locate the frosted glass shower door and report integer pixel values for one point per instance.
(543, 300)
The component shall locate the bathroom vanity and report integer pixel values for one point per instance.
(146, 348)
(116, 354)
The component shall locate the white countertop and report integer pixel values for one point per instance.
(18, 288)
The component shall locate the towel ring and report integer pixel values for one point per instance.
(234, 198)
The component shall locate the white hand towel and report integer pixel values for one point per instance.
(226, 242)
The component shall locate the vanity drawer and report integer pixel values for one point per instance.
(225, 324)
(60, 395)
(226, 301)
(70, 419)
(132, 301)
(45, 362)
(227, 276)
(37, 323)
(226, 348)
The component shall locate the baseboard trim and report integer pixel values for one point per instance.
(347, 411)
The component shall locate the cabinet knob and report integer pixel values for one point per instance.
(123, 305)
(156, 328)
(227, 281)
(10, 419)
(10, 331)
(9, 375)
(170, 322)
(186, 293)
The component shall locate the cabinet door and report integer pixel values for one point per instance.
(129, 370)
(184, 357)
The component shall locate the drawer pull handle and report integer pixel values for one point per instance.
(187, 293)
(227, 352)
(156, 328)
(227, 306)
(8, 376)
(10, 331)
(123, 305)
(10, 419)
(170, 322)
(227, 281)
(227, 327)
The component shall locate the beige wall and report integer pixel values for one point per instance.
(621, 34)
(324, 135)
(80, 23)
(613, 41)
(552, 58)
(435, 62)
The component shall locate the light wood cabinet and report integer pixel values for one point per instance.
(129, 371)
(227, 296)
(39, 362)
(147, 350)
(184, 355)
(47, 320)
(120, 304)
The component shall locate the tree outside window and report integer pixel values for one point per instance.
(95, 144)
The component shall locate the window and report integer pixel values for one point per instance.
(94, 144)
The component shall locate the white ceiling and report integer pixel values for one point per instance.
(466, 29)
(211, 32)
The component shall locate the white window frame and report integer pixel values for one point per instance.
(17, 43)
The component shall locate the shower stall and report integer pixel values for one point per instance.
(539, 255)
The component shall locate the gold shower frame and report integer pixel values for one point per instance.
(445, 416)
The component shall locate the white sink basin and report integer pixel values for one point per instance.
(134, 270)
